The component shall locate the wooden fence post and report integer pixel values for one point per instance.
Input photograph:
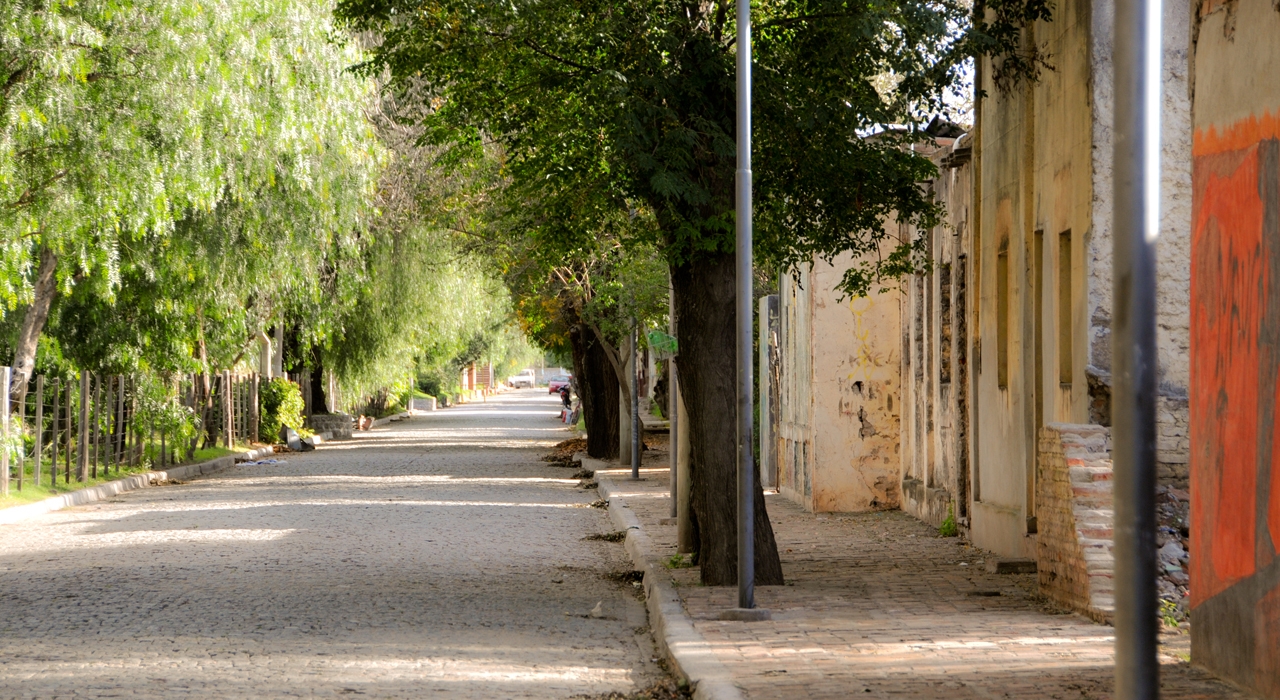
(139, 443)
(5, 373)
(39, 435)
(253, 407)
(20, 452)
(82, 441)
(95, 422)
(113, 403)
(228, 416)
(66, 418)
(53, 435)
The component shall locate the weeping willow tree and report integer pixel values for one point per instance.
(425, 300)
(212, 157)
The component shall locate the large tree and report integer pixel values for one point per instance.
(605, 106)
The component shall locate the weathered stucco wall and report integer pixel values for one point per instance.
(1042, 267)
(795, 382)
(840, 427)
(1235, 370)
(1173, 249)
(935, 382)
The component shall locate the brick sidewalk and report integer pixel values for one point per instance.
(879, 606)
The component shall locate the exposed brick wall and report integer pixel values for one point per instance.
(1074, 518)
(1173, 442)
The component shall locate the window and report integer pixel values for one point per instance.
(1002, 316)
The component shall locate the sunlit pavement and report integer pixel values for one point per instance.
(877, 605)
(436, 557)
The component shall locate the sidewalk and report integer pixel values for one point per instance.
(878, 606)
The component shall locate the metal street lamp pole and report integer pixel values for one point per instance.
(746, 465)
(1134, 233)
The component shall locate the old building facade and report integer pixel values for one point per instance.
(1010, 329)
(1040, 268)
(836, 438)
(1235, 314)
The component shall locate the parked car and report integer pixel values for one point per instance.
(524, 379)
(554, 384)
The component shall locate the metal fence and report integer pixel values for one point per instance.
(89, 425)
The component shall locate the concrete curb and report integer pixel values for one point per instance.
(319, 438)
(689, 655)
(390, 419)
(101, 492)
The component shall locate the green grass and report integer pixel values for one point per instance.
(31, 493)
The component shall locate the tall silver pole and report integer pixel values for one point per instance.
(1136, 227)
(746, 465)
(635, 401)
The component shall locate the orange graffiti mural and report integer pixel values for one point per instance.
(1235, 401)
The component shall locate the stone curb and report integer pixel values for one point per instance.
(319, 438)
(390, 419)
(101, 492)
(687, 652)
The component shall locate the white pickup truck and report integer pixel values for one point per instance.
(524, 379)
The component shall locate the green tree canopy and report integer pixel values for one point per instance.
(217, 154)
(606, 107)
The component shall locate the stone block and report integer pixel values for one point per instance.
(1011, 566)
(339, 424)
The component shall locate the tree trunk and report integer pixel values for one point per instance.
(24, 356)
(704, 298)
(319, 402)
(598, 391)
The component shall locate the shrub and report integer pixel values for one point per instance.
(949, 528)
(281, 406)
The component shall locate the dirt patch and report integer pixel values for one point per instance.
(666, 689)
(562, 453)
(633, 576)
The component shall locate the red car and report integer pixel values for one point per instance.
(558, 381)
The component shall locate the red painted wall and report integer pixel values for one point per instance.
(1235, 402)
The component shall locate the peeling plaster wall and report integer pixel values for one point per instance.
(1235, 314)
(840, 395)
(1173, 250)
(935, 381)
(1041, 349)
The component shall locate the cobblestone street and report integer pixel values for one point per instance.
(436, 557)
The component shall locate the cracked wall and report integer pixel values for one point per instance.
(839, 377)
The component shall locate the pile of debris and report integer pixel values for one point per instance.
(562, 454)
(1173, 538)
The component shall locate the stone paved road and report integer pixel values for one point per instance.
(434, 558)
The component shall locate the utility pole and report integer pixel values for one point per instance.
(1134, 232)
(746, 609)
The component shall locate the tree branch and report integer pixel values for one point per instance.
(29, 195)
(784, 21)
(533, 46)
(15, 78)
(722, 15)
